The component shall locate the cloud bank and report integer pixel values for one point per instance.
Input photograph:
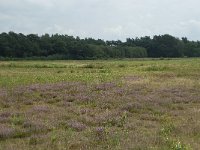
(105, 19)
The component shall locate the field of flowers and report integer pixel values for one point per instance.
(138, 104)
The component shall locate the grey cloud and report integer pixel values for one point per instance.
(107, 19)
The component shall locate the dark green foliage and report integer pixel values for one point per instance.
(166, 46)
(32, 46)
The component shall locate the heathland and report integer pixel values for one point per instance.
(102, 104)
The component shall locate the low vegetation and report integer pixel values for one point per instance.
(113, 104)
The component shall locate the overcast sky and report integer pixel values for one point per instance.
(105, 19)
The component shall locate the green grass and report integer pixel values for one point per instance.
(13, 73)
(102, 104)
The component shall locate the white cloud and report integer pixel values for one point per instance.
(116, 31)
(58, 29)
(4, 17)
(107, 19)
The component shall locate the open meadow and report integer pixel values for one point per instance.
(137, 104)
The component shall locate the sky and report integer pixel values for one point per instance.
(104, 19)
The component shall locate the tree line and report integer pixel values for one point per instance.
(18, 45)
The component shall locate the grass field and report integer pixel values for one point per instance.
(136, 104)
